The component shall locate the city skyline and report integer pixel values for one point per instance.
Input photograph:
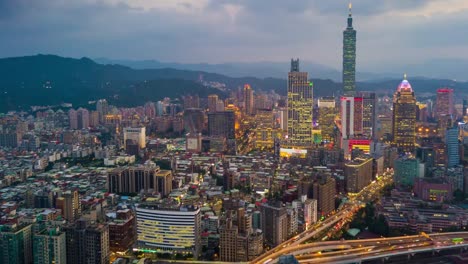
(248, 30)
(102, 163)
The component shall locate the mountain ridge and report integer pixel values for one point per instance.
(51, 79)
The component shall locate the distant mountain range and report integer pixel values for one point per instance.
(52, 80)
(434, 69)
(254, 69)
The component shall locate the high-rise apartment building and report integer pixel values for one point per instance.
(16, 243)
(221, 124)
(327, 114)
(324, 191)
(191, 101)
(73, 119)
(300, 107)
(404, 117)
(249, 100)
(102, 107)
(93, 118)
(82, 118)
(167, 226)
(87, 242)
(49, 246)
(349, 57)
(358, 174)
(69, 204)
(212, 103)
(122, 231)
(444, 103)
(136, 178)
(310, 212)
(274, 224)
(194, 120)
(228, 242)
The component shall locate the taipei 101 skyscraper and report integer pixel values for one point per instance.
(349, 57)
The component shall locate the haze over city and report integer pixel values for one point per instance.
(393, 35)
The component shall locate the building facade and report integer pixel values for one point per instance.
(300, 108)
(167, 226)
(404, 117)
(349, 57)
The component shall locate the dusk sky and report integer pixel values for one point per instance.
(216, 31)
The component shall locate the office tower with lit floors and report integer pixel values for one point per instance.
(349, 57)
(444, 103)
(369, 113)
(404, 117)
(300, 107)
(248, 100)
(326, 120)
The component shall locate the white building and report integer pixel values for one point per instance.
(137, 134)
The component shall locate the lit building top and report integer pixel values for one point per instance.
(404, 86)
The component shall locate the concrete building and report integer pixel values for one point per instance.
(324, 191)
(69, 204)
(444, 103)
(358, 174)
(122, 231)
(87, 242)
(16, 244)
(249, 100)
(407, 169)
(137, 134)
(49, 246)
(274, 224)
(133, 179)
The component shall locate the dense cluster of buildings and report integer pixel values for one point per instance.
(240, 173)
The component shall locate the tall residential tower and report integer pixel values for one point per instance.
(349, 57)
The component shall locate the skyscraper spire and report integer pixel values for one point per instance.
(350, 16)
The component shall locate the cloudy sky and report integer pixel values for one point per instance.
(215, 31)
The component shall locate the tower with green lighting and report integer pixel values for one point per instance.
(349, 57)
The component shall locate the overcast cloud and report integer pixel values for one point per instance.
(390, 32)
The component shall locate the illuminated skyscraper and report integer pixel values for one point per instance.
(327, 114)
(300, 107)
(349, 57)
(444, 103)
(248, 100)
(369, 113)
(404, 117)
